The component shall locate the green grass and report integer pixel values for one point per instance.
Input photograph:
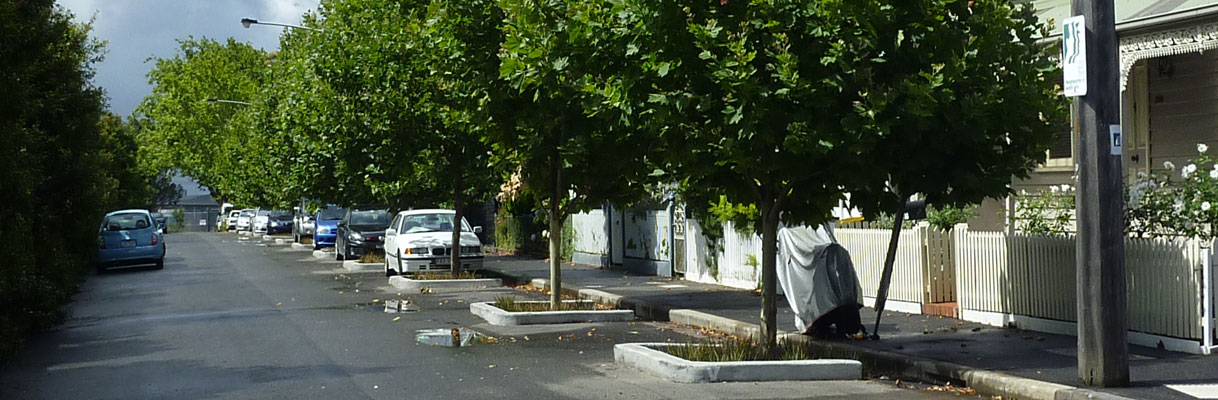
(736, 350)
(509, 303)
(435, 276)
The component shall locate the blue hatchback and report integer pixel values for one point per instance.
(326, 226)
(129, 237)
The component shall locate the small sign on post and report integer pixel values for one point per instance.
(1115, 132)
(1074, 56)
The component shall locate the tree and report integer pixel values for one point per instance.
(573, 140)
(787, 105)
(458, 44)
(183, 131)
(963, 100)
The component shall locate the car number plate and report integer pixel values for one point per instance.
(440, 261)
(128, 244)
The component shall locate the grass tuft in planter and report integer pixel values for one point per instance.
(737, 350)
(437, 276)
(509, 304)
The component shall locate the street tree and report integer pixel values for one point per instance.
(463, 101)
(573, 141)
(788, 105)
(960, 96)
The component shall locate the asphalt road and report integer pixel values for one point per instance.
(233, 318)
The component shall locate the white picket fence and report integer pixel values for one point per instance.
(1018, 275)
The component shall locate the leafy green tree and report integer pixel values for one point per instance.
(182, 130)
(464, 100)
(757, 109)
(787, 105)
(573, 141)
(960, 96)
(63, 163)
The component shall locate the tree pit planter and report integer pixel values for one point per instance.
(302, 246)
(646, 357)
(413, 285)
(356, 266)
(498, 316)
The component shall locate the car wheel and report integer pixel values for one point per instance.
(160, 263)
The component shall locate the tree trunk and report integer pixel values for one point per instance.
(556, 222)
(458, 204)
(886, 276)
(769, 274)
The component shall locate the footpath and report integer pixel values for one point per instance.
(1011, 363)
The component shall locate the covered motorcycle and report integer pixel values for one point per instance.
(820, 282)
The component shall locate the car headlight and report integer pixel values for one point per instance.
(323, 230)
(420, 251)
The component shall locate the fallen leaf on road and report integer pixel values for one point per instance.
(395, 319)
(491, 366)
(633, 332)
(278, 304)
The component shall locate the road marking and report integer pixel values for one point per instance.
(1199, 391)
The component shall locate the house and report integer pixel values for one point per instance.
(1169, 93)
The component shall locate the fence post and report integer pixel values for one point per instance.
(959, 238)
(1207, 299)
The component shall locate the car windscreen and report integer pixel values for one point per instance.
(331, 213)
(263, 213)
(420, 223)
(280, 214)
(126, 221)
(247, 213)
(370, 218)
(234, 214)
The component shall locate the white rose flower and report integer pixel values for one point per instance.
(1188, 170)
(1201, 148)
(1169, 165)
(1066, 188)
(1205, 206)
(1214, 173)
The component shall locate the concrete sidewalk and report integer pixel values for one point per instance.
(1004, 362)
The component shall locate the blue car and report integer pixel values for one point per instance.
(129, 237)
(326, 226)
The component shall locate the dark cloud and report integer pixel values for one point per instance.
(138, 29)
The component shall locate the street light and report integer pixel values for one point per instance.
(215, 100)
(246, 22)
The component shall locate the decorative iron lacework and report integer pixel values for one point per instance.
(1193, 39)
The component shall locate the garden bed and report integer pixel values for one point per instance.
(538, 312)
(442, 281)
(741, 363)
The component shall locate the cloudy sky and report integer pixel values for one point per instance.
(138, 29)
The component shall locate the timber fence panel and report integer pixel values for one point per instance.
(868, 248)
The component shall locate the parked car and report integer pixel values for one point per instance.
(129, 237)
(161, 221)
(421, 240)
(361, 231)
(302, 225)
(244, 219)
(261, 219)
(279, 221)
(326, 223)
(226, 209)
(231, 222)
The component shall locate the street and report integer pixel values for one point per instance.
(235, 318)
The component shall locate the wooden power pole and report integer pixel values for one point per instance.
(1103, 352)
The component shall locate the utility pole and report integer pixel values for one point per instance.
(1103, 351)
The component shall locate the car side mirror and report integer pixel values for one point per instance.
(477, 229)
(390, 232)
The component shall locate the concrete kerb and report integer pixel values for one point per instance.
(322, 254)
(302, 246)
(874, 362)
(646, 357)
(356, 266)
(498, 316)
(413, 285)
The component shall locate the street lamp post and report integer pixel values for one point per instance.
(246, 22)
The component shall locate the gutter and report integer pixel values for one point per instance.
(1154, 22)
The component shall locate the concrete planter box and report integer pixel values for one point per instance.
(356, 266)
(323, 254)
(498, 316)
(302, 246)
(644, 356)
(283, 242)
(407, 284)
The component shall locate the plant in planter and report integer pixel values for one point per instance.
(507, 310)
(734, 360)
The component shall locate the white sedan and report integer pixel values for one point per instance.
(421, 240)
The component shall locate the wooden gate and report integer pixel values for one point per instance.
(939, 266)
